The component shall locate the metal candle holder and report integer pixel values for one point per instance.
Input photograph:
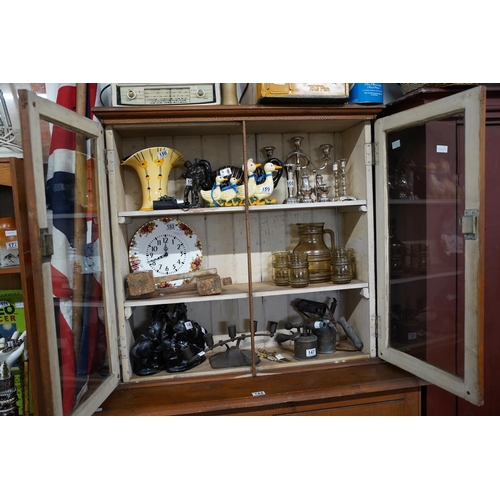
(343, 182)
(233, 356)
(321, 189)
(293, 169)
(336, 181)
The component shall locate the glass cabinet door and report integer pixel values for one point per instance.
(430, 219)
(70, 247)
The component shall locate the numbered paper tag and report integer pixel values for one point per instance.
(225, 172)
(162, 154)
(188, 325)
(265, 189)
(11, 245)
(396, 144)
(310, 353)
(441, 149)
(280, 356)
(290, 183)
(259, 393)
(189, 181)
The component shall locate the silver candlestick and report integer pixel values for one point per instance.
(336, 181)
(343, 182)
(320, 188)
(326, 154)
(269, 151)
(293, 164)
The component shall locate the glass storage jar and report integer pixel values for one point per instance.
(280, 268)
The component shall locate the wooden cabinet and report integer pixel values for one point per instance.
(366, 387)
(238, 242)
(13, 204)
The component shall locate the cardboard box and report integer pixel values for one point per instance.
(11, 313)
(275, 93)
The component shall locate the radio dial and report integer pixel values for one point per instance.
(200, 93)
(131, 94)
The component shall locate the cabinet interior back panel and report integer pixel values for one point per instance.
(223, 232)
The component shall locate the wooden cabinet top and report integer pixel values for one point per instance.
(144, 114)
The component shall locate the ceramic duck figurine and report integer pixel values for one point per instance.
(252, 182)
(212, 196)
(263, 191)
(229, 192)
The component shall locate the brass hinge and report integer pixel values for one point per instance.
(108, 161)
(371, 154)
(46, 244)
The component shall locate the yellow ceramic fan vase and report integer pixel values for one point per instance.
(153, 166)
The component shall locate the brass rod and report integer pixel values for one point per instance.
(249, 251)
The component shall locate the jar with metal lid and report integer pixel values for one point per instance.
(298, 269)
(280, 268)
(341, 266)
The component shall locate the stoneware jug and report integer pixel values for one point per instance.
(311, 241)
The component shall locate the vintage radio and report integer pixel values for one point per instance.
(167, 94)
(274, 93)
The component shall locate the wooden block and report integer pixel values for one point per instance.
(209, 285)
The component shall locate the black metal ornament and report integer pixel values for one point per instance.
(183, 344)
(147, 354)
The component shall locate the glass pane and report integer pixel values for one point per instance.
(426, 244)
(77, 282)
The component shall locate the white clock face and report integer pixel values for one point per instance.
(165, 246)
(159, 253)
